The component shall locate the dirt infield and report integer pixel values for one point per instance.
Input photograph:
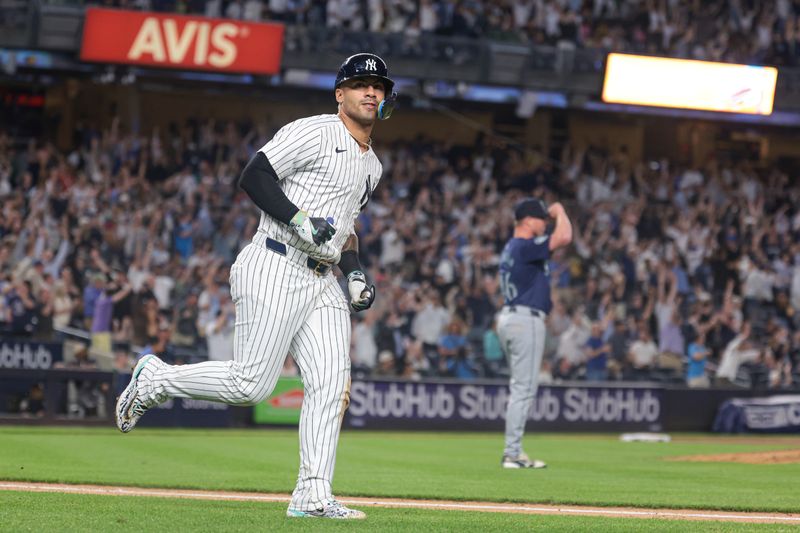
(744, 439)
(611, 512)
(778, 457)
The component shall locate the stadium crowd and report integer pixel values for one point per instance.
(676, 273)
(730, 30)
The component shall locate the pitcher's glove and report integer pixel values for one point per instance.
(313, 230)
(361, 294)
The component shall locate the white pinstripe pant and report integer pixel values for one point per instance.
(281, 307)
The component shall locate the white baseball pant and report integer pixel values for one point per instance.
(282, 307)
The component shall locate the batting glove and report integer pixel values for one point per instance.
(361, 294)
(313, 230)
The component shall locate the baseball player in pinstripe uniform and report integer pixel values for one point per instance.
(310, 181)
(525, 282)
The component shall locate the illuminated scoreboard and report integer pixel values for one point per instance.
(689, 84)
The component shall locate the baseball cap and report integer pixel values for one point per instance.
(530, 207)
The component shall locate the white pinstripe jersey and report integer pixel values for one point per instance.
(322, 170)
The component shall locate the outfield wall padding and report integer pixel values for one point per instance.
(439, 405)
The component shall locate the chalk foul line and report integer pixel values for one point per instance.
(567, 510)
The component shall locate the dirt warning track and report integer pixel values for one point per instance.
(777, 457)
(490, 507)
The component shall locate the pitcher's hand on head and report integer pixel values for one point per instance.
(555, 209)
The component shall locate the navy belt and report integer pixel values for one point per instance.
(320, 268)
(524, 309)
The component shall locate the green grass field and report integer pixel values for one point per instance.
(583, 469)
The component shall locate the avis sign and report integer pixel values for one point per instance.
(181, 42)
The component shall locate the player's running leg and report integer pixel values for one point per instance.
(321, 349)
(271, 304)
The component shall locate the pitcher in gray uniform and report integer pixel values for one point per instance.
(310, 181)
(525, 282)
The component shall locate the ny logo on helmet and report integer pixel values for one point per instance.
(371, 65)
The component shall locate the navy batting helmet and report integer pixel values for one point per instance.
(362, 66)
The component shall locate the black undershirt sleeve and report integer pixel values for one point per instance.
(349, 262)
(260, 181)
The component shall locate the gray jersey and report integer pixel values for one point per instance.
(322, 170)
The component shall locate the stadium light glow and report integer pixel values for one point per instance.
(689, 84)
